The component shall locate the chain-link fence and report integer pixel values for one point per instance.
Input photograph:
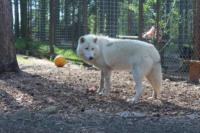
(169, 24)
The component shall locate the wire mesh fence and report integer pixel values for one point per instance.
(169, 24)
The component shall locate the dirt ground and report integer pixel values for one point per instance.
(44, 98)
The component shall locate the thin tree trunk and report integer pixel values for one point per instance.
(180, 26)
(186, 21)
(158, 44)
(108, 18)
(102, 15)
(24, 23)
(115, 14)
(17, 19)
(57, 21)
(28, 35)
(43, 20)
(141, 19)
(80, 20)
(168, 6)
(157, 23)
(96, 17)
(85, 16)
(67, 19)
(130, 19)
(197, 30)
(198, 27)
(52, 27)
(30, 17)
(8, 62)
(112, 18)
(73, 26)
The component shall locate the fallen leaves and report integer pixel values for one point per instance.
(43, 87)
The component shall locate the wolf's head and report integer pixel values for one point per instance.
(88, 47)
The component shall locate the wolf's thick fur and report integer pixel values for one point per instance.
(107, 54)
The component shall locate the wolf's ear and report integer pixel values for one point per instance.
(82, 39)
(95, 40)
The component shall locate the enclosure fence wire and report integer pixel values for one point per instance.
(178, 39)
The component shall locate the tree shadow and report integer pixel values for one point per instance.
(71, 97)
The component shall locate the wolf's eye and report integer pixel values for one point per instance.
(92, 48)
(86, 48)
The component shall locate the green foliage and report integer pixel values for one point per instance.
(68, 53)
(91, 23)
(20, 44)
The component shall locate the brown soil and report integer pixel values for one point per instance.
(41, 85)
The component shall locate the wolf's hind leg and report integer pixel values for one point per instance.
(155, 78)
(138, 75)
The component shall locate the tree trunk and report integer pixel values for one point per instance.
(80, 20)
(85, 16)
(198, 27)
(196, 30)
(180, 26)
(52, 26)
(130, 19)
(16, 19)
(57, 21)
(115, 14)
(73, 25)
(96, 17)
(30, 17)
(67, 19)
(43, 20)
(108, 18)
(186, 22)
(112, 18)
(24, 23)
(168, 6)
(102, 15)
(141, 19)
(157, 23)
(8, 62)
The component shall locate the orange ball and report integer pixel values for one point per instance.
(60, 61)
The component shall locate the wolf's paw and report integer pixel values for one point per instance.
(104, 94)
(98, 91)
(155, 100)
(151, 98)
(132, 100)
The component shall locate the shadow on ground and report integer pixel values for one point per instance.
(26, 98)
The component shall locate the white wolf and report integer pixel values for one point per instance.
(107, 54)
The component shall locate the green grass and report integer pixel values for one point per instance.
(22, 60)
(68, 53)
(44, 48)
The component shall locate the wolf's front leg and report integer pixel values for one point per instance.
(107, 74)
(101, 86)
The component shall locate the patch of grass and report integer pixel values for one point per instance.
(22, 60)
(68, 53)
(42, 47)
